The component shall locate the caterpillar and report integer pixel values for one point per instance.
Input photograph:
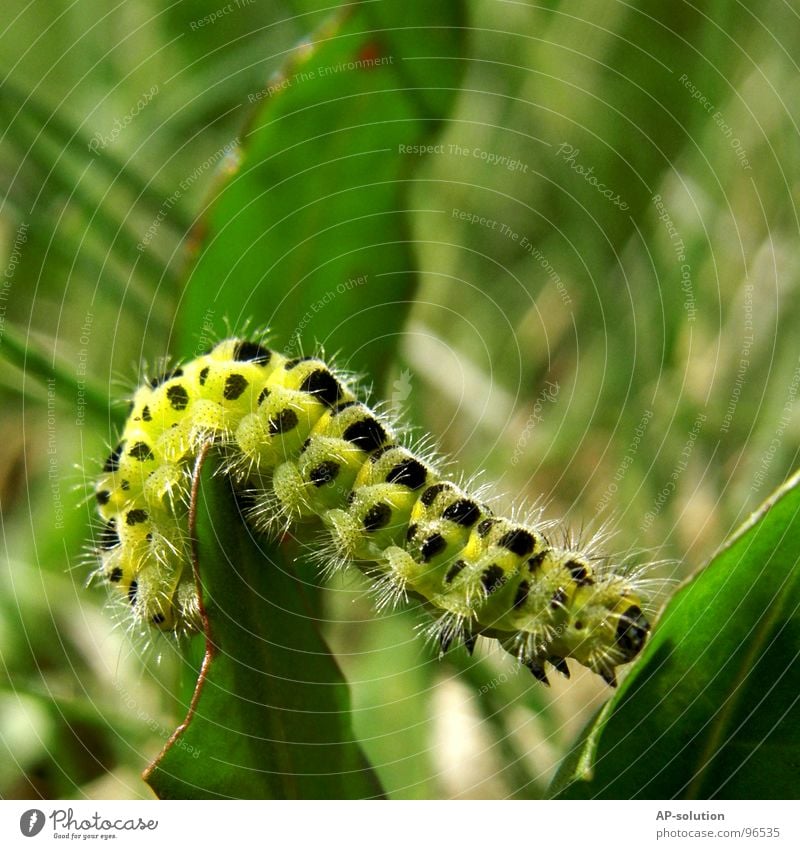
(295, 436)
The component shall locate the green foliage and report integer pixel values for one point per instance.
(313, 215)
(137, 237)
(711, 709)
(271, 714)
(330, 191)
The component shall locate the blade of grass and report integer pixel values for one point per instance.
(22, 352)
(73, 139)
(57, 173)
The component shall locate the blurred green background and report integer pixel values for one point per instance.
(605, 238)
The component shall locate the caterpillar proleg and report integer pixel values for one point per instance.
(294, 434)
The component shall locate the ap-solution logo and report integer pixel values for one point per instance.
(31, 822)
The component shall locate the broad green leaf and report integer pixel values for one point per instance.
(310, 234)
(271, 713)
(712, 709)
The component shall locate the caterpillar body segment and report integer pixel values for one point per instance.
(295, 435)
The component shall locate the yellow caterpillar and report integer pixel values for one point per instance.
(295, 435)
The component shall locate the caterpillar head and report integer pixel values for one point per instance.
(605, 627)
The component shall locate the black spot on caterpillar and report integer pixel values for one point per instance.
(155, 382)
(297, 439)
(178, 398)
(112, 463)
(251, 352)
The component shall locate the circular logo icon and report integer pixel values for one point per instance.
(31, 822)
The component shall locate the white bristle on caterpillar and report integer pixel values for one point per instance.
(295, 437)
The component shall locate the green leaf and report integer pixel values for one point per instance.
(270, 717)
(310, 235)
(712, 709)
